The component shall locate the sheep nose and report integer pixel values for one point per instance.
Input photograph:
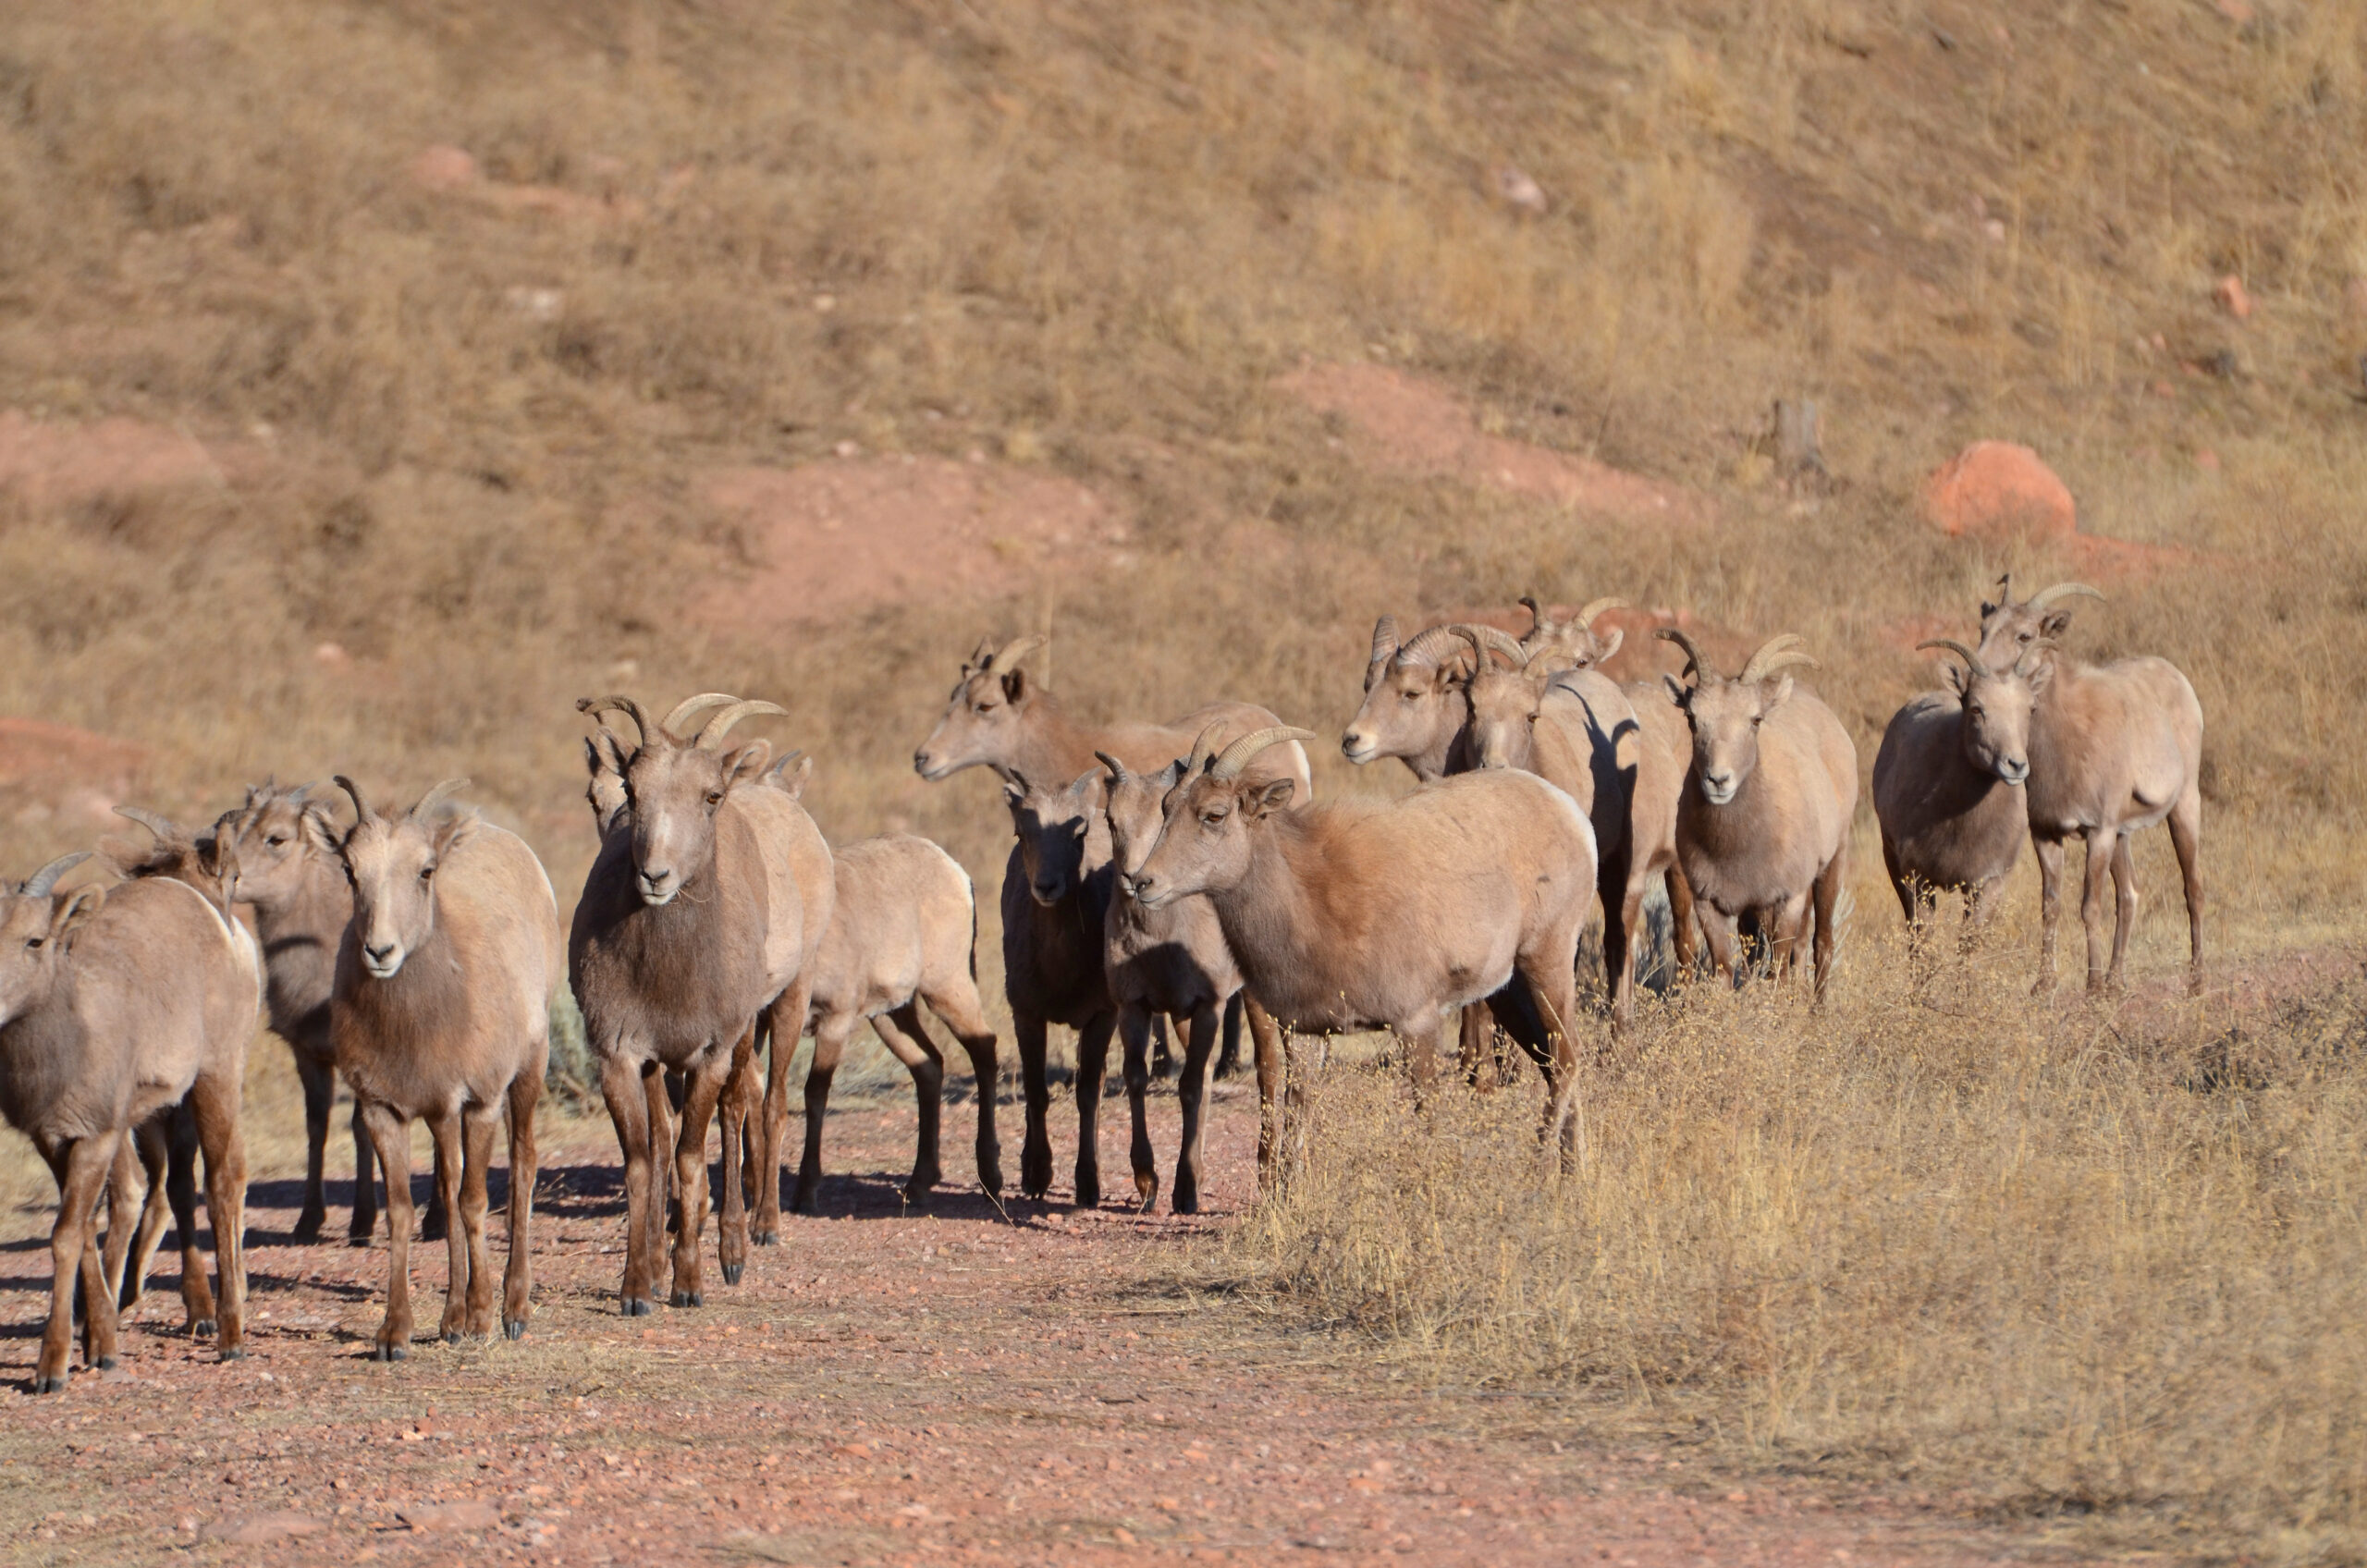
(2013, 770)
(1046, 891)
(651, 881)
(1142, 885)
(920, 762)
(379, 953)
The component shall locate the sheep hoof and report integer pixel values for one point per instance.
(389, 1353)
(308, 1227)
(732, 1272)
(513, 1328)
(200, 1329)
(50, 1383)
(763, 1238)
(451, 1336)
(636, 1307)
(1187, 1201)
(686, 1298)
(1088, 1192)
(233, 1353)
(106, 1364)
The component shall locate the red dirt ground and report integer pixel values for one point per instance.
(967, 1387)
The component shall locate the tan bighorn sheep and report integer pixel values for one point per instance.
(1666, 754)
(904, 931)
(1384, 914)
(1575, 728)
(699, 919)
(1763, 829)
(1056, 890)
(1000, 717)
(1948, 787)
(441, 1012)
(2113, 749)
(116, 1005)
(1174, 960)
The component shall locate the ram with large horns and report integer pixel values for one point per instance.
(2113, 749)
(1763, 830)
(1384, 914)
(699, 922)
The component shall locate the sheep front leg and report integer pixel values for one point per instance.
(1092, 1061)
(705, 1087)
(1189, 1091)
(180, 1192)
(620, 1086)
(319, 1079)
(81, 1169)
(900, 1030)
(2124, 883)
(2050, 908)
(2097, 878)
(525, 1164)
(1036, 1152)
(213, 1102)
(1133, 1033)
(389, 1138)
(958, 1005)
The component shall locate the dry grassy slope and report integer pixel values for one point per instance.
(1090, 236)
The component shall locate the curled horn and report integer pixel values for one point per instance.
(361, 806)
(1384, 639)
(711, 734)
(1776, 653)
(1535, 613)
(596, 706)
(1486, 640)
(1117, 770)
(1597, 608)
(163, 831)
(1203, 749)
(1233, 758)
(38, 885)
(1971, 661)
(1696, 661)
(2046, 597)
(433, 798)
(1429, 648)
(691, 708)
(1013, 651)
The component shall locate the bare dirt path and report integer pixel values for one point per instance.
(966, 1387)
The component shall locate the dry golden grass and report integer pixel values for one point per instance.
(1090, 235)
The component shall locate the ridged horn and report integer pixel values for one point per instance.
(1598, 607)
(353, 793)
(596, 706)
(1117, 770)
(1971, 661)
(162, 828)
(1486, 640)
(1016, 650)
(38, 885)
(1536, 614)
(1203, 747)
(1696, 661)
(691, 708)
(1384, 639)
(711, 734)
(2046, 597)
(1429, 648)
(1779, 653)
(1233, 758)
(436, 797)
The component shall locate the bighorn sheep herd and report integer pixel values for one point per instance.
(1176, 875)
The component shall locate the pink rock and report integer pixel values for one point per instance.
(444, 168)
(2232, 296)
(1514, 189)
(452, 1516)
(1997, 490)
(263, 1529)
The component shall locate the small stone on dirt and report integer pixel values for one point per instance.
(2233, 298)
(260, 1529)
(451, 1516)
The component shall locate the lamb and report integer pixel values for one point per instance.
(1666, 752)
(1384, 914)
(440, 1009)
(1173, 960)
(1948, 787)
(1763, 828)
(904, 931)
(116, 1005)
(698, 920)
(2113, 749)
(999, 717)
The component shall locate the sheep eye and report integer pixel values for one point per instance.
(427, 873)
(715, 797)
(984, 707)
(1211, 819)
(276, 840)
(32, 941)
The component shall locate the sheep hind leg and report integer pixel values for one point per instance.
(472, 1192)
(1552, 990)
(2095, 877)
(736, 1110)
(830, 1033)
(1274, 1073)
(2186, 838)
(153, 1144)
(900, 1030)
(2124, 899)
(81, 1169)
(956, 1004)
(1826, 899)
(788, 1014)
(1189, 1090)
(525, 1165)
(1229, 1047)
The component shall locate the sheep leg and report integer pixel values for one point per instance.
(1092, 1064)
(99, 1323)
(1228, 1047)
(2186, 838)
(1163, 1058)
(900, 1030)
(155, 1155)
(704, 1089)
(365, 1183)
(731, 1227)
(2050, 908)
(123, 1192)
(621, 1085)
(2124, 883)
(450, 1136)
(1476, 1051)
(788, 1017)
(1189, 1090)
(180, 1192)
(2098, 873)
(830, 1032)
(1827, 898)
(390, 1136)
(213, 1101)
(958, 1007)
(319, 1079)
(1680, 921)
(525, 1165)
(1622, 907)
(1421, 1036)
(665, 1211)
(477, 1122)
(1719, 931)
(435, 1225)
(1036, 1152)
(1134, 1028)
(1274, 1085)
(81, 1169)
(1552, 990)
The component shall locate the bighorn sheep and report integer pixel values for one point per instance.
(1370, 914)
(1056, 890)
(1173, 960)
(115, 1006)
(904, 931)
(1001, 718)
(699, 916)
(1667, 752)
(441, 1010)
(1948, 787)
(1765, 825)
(1414, 708)
(2112, 749)
(1576, 731)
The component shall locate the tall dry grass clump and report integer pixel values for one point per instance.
(2092, 1257)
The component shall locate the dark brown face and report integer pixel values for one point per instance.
(673, 792)
(1063, 834)
(980, 725)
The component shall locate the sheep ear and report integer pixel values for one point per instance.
(1014, 685)
(1610, 645)
(1014, 790)
(1678, 692)
(1090, 785)
(745, 763)
(1958, 678)
(75, 910)
(1271, 796)
(453, 830)
(1776, 694)
(123, 858)
(2041, 676)
(608, 752)
(320, 829)
(2056, 623)
(796, 776)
